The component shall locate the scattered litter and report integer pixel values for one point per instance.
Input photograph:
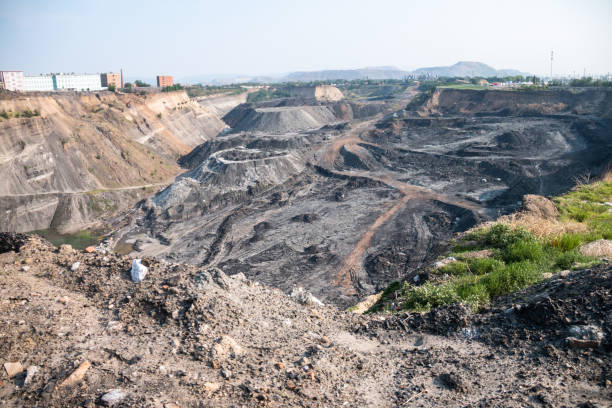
(305, 297)
(139, 271)
(113, 397)
(77, 375)
(12, 369)
(75, 266)
(90, 249)
(30, 373)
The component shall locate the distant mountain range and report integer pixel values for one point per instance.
(460, 69)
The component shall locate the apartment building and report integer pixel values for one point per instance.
(109, 78)
(11, 80)
(83, 82)
(38, 83)
(164, 80)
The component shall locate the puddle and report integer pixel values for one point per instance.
(78, 240)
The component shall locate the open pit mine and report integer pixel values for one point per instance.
(261, 224)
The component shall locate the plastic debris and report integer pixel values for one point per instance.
(139, 271)
(75, 266)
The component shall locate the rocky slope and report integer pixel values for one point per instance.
(90, 154)
(78, 332)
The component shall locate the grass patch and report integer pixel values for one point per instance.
(522, 252)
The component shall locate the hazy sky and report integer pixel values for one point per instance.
(188, 37)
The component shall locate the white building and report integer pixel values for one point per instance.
(11, 80)
(84, 82)
(38, 83)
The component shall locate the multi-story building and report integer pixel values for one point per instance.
(164, 80)
(11, 80)
(109, 79)
(83, 82)
(38, 83)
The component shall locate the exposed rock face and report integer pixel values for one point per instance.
(91, 154)
(447, 101)
(320, 92)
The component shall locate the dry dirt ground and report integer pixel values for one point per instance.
(193, 337)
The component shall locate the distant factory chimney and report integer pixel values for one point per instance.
(122, 84)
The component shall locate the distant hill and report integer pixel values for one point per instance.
(348, 74)
(466, 69)
(460, 69)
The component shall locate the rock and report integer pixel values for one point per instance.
(139, 271)
(304, 297)
(113, 397)
(65, 249)
(225, 373)
(585, 336)
(90, 249)
(599, 248)
(75, 266)
(77, 375)
(30, 373)
(25, 268)
(280, 365)
(224, 348)
(28, 261)
(445, 262)
(539, 206)
(12, 369)
(579, 343)
(210, 388)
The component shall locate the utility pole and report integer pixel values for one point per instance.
(551, 62)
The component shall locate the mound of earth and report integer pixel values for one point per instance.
(78, 332)
(279, 120)
(236, 169)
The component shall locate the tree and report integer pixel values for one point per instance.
(112, 88)
(141, 84)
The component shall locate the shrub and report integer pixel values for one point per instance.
(501, 235)
(455, 269)
(427, 296)
(4, 114)
(511, 278)
(567, 242)
(523, 251)
(483, 266)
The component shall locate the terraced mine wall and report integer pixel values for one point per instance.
(448, 101)
(69, 159)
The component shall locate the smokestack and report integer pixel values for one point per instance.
(122, 84)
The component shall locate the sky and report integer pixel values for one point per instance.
(265, 37)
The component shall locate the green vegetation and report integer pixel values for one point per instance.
(516, 257)
(588, 81)
(78, 240)
(112, 88)
(266, 94)
(27, 113)
(171, 88)
(141, 84)
(205, 90)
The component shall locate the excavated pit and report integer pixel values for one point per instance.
(345, 210)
